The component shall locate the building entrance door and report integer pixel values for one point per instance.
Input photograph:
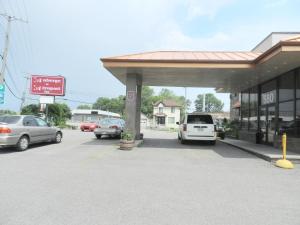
(267, 123)
(161, 120)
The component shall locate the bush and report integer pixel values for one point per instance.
(127, 135)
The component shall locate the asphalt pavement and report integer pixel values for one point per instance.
(88, 181)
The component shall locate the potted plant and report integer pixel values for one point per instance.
(127, 141)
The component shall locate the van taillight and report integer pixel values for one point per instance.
(184, 127)
(5, 130)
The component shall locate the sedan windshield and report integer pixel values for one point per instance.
(9, 119)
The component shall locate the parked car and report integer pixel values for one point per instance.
(111, 127)
(197, 126)
(21, 131)
(88, 126)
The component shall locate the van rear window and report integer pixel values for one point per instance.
(199, 119)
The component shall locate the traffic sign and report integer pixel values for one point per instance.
(2, 90)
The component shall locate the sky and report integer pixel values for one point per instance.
(64, 37)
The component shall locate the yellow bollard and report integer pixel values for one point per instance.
(284, 163)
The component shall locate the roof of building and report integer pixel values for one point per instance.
(160, 114)
(191, 56)
(98, 112)
(168, 103)
(293, 39)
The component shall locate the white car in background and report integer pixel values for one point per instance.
(198, 127)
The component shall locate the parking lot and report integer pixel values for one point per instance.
(88, 181)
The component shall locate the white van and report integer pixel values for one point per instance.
(197, 126)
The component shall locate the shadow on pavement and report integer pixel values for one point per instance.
(103, 141)
(10, 150)
(221, 149)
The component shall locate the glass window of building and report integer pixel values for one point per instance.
(160, 109)
(268, 93)
(286, 123)
(286, 86)
(172, 109)
(298, 83)
(253, 107)
(245, 110)
(297, 121)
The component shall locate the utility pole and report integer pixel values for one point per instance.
(24, 93)
(6, 44)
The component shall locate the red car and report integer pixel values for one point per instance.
(88, 126)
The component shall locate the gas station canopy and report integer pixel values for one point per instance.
(225, 71)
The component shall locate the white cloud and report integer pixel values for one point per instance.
(210, 8)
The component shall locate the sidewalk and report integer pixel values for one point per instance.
(265, 152)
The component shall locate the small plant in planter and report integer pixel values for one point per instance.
(127, 141)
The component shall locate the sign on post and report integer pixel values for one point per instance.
(2, 90)
(46, 99)
(47, 85)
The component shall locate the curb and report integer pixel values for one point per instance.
(260, 155)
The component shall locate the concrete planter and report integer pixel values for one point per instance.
(126, 145)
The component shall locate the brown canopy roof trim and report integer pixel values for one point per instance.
(167, 103)
(186, 56)
(202, 56)
(227, 71)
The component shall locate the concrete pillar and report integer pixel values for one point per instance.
(138, 108)
(130, 105)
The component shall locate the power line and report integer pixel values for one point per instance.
(71, 100)
(11, 91)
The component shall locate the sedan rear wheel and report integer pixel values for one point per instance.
(58, 137)
(23, 143)
(98, 136)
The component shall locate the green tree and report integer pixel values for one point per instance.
(84, 106)
(7, 112)
(59, 113)
(148, 99)
(32, 109)
(116, 105)
(212, 103)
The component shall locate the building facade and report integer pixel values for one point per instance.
(88, 115)
(271, 108)
(166, 113)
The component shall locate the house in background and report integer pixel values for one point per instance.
(145, 121)
(166, 113)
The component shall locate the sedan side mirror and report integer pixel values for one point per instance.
(177, 123)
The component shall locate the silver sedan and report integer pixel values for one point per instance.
(21, 131)
(109, 126)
